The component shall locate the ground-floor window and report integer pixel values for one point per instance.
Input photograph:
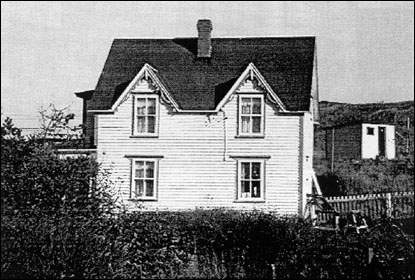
(144, 178)
(251, 179)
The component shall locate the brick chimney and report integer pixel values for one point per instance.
(204, 45)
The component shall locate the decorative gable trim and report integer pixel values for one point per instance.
(144, 82)
(147, 80)
(253, 78)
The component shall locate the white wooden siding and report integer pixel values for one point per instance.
(307, 158)
(195, 170)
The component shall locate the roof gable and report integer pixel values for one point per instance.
(147, 81)
(252, 75)
(285, 63)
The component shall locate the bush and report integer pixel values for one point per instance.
(33, 177)
(369, 176)
(197, 244)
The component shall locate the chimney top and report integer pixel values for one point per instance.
(204, 24)
(204, 45)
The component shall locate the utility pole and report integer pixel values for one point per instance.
(332, 150)
(408, 134)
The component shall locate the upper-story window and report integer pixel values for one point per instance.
(251, 115)
(145, 115)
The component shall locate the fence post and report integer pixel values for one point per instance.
(370, 255)
(337, 222)
(274, 272)
(389, 204)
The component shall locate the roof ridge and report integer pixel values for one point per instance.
(225, 38)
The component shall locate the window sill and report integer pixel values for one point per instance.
(141, 199)
(250, 136)
(249, 201)
(144, 136)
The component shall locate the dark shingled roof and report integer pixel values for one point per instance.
(195, 84)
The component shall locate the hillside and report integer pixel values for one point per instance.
(334, 113)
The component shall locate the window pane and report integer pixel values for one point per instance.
(370, 131)
(246, 105)
(256, 170)
(149, 169)
(141, 124)
(245, 170)
(139, 188)
(256, 124)
(151, 109)
(256, 107)
(245, 124)
(256, 189)
(245, 190)
(139, 169)
(149, 188)
(141, 106)
(151, 124)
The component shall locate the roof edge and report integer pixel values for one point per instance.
(220, 38)
(85, 94)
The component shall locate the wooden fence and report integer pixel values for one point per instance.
(397, 204)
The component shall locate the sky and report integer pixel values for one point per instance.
(49, 50)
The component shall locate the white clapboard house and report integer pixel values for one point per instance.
(207, 122)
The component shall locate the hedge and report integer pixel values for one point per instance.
(197, 244)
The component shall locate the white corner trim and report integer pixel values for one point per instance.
(252, 71)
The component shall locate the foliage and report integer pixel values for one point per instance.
(34, 177)
(369, 176)
(333, 113)
(58, 221)
(55, 122)
(197, 244)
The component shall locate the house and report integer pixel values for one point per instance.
(207, 122)
(360, 141)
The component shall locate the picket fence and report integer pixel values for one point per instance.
(396, 205)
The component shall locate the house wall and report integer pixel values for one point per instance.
(307, 139)
(370, 143)
(89, 128)
(346, 141)
(197, 169)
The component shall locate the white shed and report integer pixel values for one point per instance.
(378, 140)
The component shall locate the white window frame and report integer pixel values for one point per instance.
(262, 181)
(133, 178)
(157, 115)
(240, 115)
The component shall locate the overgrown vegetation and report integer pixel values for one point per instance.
(60, 221)
(367, 176)
(33, 177)
(197, 244)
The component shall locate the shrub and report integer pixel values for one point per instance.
(35, 178)
(197, 244)
(369, 176)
